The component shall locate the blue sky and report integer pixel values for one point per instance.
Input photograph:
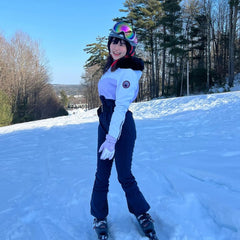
(63, 29)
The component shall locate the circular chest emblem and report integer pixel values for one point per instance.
(126, 84)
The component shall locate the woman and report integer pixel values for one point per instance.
(118, 88)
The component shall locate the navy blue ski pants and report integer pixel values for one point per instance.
(123, 161)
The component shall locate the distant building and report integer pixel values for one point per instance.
(77, 101)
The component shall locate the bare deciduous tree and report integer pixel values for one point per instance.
(24, 78)
(91, 79)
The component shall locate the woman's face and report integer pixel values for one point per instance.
(118, 48)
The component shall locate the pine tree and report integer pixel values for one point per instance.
(172, 39)
(144, 16)
(234, 10)
(64, 98)
(93, 68)
(98, 52)
(5, 110)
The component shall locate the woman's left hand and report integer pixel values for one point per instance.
(108, 148)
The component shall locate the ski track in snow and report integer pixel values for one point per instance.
(186, 162)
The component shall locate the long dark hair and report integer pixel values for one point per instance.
(108, 64)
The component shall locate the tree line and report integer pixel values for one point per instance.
(25, 92)
(187, 46)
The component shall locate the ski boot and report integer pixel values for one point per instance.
(146, 224)
(101, 228)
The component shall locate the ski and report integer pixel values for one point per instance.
(146, 223)
(152, 235)
(103, 237)
(101, 228)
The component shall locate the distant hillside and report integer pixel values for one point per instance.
(69, 89)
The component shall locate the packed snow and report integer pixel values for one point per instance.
(186, 162)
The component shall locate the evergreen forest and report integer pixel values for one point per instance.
(187, 46)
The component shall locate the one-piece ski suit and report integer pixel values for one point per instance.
(117, 90)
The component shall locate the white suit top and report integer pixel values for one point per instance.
(121, 86)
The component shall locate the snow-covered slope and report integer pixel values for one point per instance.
(186, 162)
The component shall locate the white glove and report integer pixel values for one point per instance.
(108, 148)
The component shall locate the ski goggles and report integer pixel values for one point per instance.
(126, 30)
